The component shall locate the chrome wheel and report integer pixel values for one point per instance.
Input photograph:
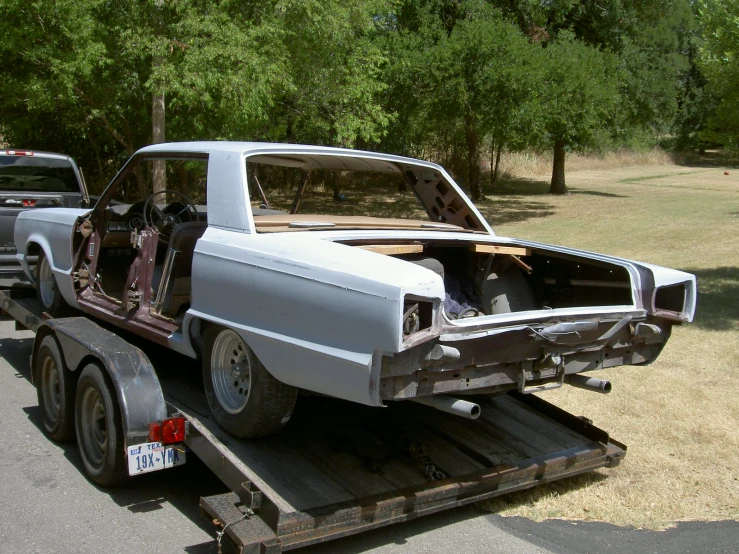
(93, 423)
(46, 282)
(50, 390)
(230, 371)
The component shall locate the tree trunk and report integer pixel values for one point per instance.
(473, 157)
(497, 161)
(159, 175)
(558, 169)
(492, 163)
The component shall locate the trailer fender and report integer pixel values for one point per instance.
(135, 382)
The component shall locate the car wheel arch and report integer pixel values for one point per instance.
(196, 336)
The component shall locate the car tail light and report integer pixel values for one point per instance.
(168, 431)
(19, 153)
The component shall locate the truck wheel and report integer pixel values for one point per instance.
(97, 420)
(243, 397)
(55, 391)
(47, 290)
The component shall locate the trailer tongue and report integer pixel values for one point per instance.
(338, 468)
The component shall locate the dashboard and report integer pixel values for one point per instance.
(123, 219)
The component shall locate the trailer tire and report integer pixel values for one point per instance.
(47, 289)
(243, 396)
(55, 391)
(99, 428)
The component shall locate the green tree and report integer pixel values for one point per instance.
(460, 73)
(719, 20)
(578, 95)
(275, 70)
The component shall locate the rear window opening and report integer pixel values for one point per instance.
(321, 191)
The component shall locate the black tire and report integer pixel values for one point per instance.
(47, 290)
(247, 405)
(55, 391)
(97, 420)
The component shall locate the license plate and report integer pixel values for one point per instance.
(153, 456)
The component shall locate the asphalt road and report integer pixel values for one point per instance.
(49, 505)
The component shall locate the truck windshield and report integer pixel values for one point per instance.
(27, 173)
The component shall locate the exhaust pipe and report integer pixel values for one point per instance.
(589, 383)
(450, 405)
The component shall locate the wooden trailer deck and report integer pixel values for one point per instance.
(339, 468)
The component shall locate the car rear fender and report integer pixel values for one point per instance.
(51, 232)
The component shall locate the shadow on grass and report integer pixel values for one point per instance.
(718, 298)
(516, 187)
(536, 494)
(716, 158)
(514, 200)
(597, 193)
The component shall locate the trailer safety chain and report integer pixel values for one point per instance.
(219, 534)
(418, 452)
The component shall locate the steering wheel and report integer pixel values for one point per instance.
(165, 222)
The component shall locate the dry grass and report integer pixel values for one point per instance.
(525, 164)
(679, 416)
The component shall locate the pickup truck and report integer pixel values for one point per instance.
(31, 180)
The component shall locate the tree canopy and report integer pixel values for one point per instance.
(450, 80)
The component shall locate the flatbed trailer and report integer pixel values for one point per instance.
(339, 468)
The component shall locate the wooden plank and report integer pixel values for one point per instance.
(543, 426)
(183, 393)
(271, 464)
(539, 434)
(309, 485)
(498, 249)
(341, 520)
(442, 453)
(401, 474)
(345, 467)
(393, 249)
(487, 444)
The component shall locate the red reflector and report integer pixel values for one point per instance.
(29, 203)
(173, 430)
(155, 432)
(19, 153)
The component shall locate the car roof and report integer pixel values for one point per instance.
(256, 148)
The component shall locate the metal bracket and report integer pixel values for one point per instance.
(559, 377)
(252, 495)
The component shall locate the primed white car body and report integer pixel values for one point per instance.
(325, 316)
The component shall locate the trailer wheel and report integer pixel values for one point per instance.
(99, 428)
(47, 290)
(55, 391)
(243, 396)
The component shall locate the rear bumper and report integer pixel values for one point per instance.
(516, 357)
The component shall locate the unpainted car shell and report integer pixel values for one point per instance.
(322, 315)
